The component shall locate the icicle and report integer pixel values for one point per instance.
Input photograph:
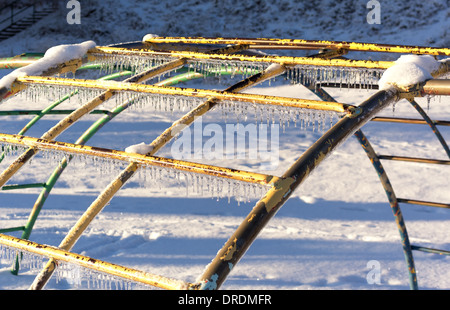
(109, 64)
(315, 76)
(80, 277)
(198, 184)
(428, 102)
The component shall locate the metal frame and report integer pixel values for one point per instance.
(280, 188)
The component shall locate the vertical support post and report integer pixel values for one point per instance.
(394, 207)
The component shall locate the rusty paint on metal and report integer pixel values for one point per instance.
(58, 254)
(261, 43)
(148, 160)
(194, 92)
(104, 51)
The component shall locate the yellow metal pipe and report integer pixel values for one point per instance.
(424, 203)
(102, 51)
(261, 43)
(191, 92)
(93, 264)
(144, 160)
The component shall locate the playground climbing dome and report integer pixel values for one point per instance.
(145, 74)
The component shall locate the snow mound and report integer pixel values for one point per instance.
(53, 56)
(409, 70)
(140, 148)
(149, 36)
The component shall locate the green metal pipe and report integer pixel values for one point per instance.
(51, 182)
(19, 61)
(38, 112)
(12, 229)
(92, 130)
(22, 186)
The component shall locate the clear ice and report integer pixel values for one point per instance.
(75, 275)
(351, 77)
(155, 177)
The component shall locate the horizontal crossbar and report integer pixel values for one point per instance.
(11, 229)
(415, 159)
(429, 250)
(93, 264)
(409, 121)
(145, 160)
(102, 51)
(191, 92)
(263, 43)
(424, 203)
(22, 186)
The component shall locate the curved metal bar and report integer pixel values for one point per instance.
(394, 206)
(230, 254)
(388, 188)
(431, 124)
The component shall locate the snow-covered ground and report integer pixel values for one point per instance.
(324, 237)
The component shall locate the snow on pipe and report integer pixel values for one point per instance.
(410, 70)
(58, 59)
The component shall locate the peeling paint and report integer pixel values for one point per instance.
(230, 251)
(210, 284)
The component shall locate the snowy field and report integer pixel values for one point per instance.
(324, 237)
